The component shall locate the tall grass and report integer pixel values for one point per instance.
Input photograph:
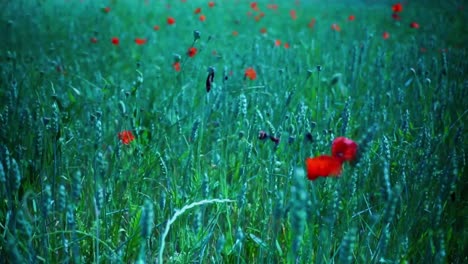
(198, 184)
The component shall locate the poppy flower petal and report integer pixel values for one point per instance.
(323, 166)
(344, 148)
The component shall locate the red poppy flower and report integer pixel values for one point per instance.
(192, 51)
(414, 25)
(323, 166)
(385, 35)
(106, 9)
(250, 73)
(202, 18)
(176, 66)
(272, 6)
(235, 33)
(93, 40)
(126, 137)
(286, 45)
(211, 4)
(140, 41)
(254, 6)
(170, 21)
(397, 8)
(277, 42)
(312, 23)
(156, 27)
(336, 27)
(395, 16)
(115, 41)
(293, 14)
(197, 10)
(351, 18)
(344, 148)
(263, 30)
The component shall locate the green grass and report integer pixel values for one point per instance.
(197, 184)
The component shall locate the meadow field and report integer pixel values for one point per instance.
(185, 131)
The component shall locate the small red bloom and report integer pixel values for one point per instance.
(323, 166)
(197, 10)
(397, 8)
(93, 40)
(126, 137)
(235, 33)
(414, 25)
(176, 66)
(254, 6)
(202, 18)
(395, 16)
(140, 41)
(312, 23)
(336, 27)
(286, 45)
(106, 9)
(211, 4)
(344, 148)
(351, 18)
(156, 27)
(250, 73)
(293, 14)
(115, 41)
(385, 35)
(192, 52)
(277, 42)
(170, 21)
(263, 30)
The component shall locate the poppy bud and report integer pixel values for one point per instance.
(196, 35)
(262, 135)
(275, 139)
(177, 57)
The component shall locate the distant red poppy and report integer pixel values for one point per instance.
(395, 16)
(126, 137)
(397, 8)
(140, 41)
(170, 21)
(277, 42)
(192, 52)
(286, 45)
(293, 14)
(272, 6)
(414, 25)
(254, 6)
(385, 35)
(93, 40)
(351, 17)
(312, 23)
(344, 148)
(250, 73)
(263, 30)
(211, 4)
(106, 9)
(156, 27)
(115, 41)
(235, 33)
(176, 66)
(197, 10)
(323, 166)
(202, 18)
(336, 27)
